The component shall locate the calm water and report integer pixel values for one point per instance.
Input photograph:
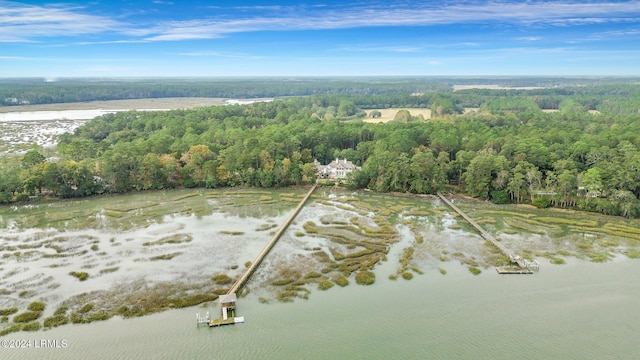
(575, 311)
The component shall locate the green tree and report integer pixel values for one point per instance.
(425, 174)
(31, 158)
(481, 172)
(592, 182)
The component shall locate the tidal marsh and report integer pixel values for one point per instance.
(136, 257)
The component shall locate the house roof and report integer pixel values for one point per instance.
(337, 164)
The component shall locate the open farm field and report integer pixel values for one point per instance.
(460, 87)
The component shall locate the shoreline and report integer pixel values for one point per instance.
(153, 103)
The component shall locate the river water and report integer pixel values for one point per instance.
(579, 310)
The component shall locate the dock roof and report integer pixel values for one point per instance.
(228, 298)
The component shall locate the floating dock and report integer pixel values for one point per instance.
(229, 321)
(512, 270)
(525, 266)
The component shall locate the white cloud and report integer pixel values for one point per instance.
(221, 54)
(21, 22)
(549, 13)
(529, 38)
(395, 49)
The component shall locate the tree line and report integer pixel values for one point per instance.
(508, 150)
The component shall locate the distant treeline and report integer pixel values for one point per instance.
(31, 91)
(38, 91)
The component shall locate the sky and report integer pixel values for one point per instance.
(171, 38)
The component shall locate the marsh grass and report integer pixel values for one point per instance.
(32, 326)
(474, 270)
(109, 270)
(185, 196)
(632, 253)
(485, 220)
(325, 284)
(599, 256)
(55, 321)
(313, 275)
(27, 316)
(340, 280)
(165, 256)
(522, 225)
(556, 260)
(80, 275)
(282, 282)
(265, 227)
(506, 213)
(222, 279)
(37, 306)
(25, 294)
(565, 221)
(405, 261)
(124, 207)
(228, 232)
(365, 277)
(113, 213)
(171, 239)
(11, 329)
(420, 212)
(8, 311)
(614, 230)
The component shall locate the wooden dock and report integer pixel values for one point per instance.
(229, 321)
(254, 265)
(513, 270)
(228, 301)
(526, 267)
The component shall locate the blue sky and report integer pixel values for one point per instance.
(318, 38)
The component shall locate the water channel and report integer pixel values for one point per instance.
(579, 310)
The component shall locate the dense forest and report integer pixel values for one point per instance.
(584, 155)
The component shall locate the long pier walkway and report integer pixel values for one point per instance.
(254, 265)
(522, 263)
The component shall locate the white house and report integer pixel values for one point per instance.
(337, 169)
